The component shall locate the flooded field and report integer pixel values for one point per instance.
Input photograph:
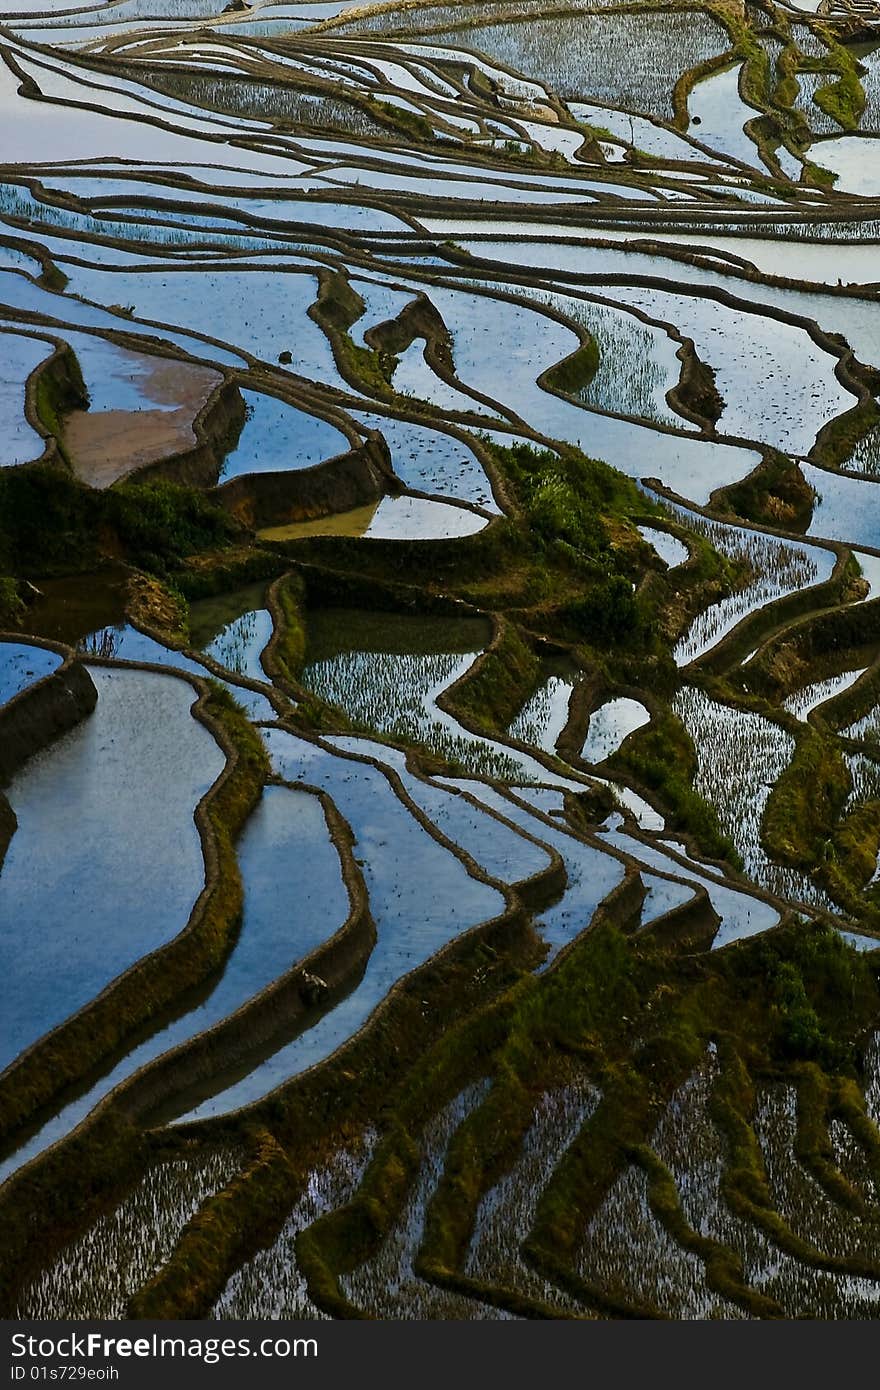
(138, 839)
(439, 732)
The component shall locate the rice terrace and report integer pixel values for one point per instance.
(440, 659)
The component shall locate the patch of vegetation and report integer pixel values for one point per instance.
(337, 308)
(817, 176)
(494, 692)
(289, 647)
(838, 439)
(53, 277)
(159, 607)
(12, 606)
(854, 849)
(256, 1199)
(59, 389)
(843, 100)
(410, 121)
(577, 513)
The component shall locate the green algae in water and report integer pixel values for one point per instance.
(353, 523)
(334, 631)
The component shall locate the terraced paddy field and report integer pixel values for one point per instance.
(439, 661)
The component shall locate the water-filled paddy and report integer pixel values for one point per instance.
(387, 1285)
(496, 847)
(233, 629)
(543, 718)
(749, 753)
(506, 1212)
(771, 568)
(670, 549)
(852, 159)
(845, 508)
(718, 115)
(578, 54)
(421, 897)
(610, 724)
(637, 363)
(232, 633)
(264, 318)
(388, 672)
(19, 356)
(430, 460)
(693, 1148)
(70, 609)
(96, 1275)
(212, 194)
(401, 518)
(271, 1284)
(810, 697)
(363, 661)
(741, 915)
(591, 875)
